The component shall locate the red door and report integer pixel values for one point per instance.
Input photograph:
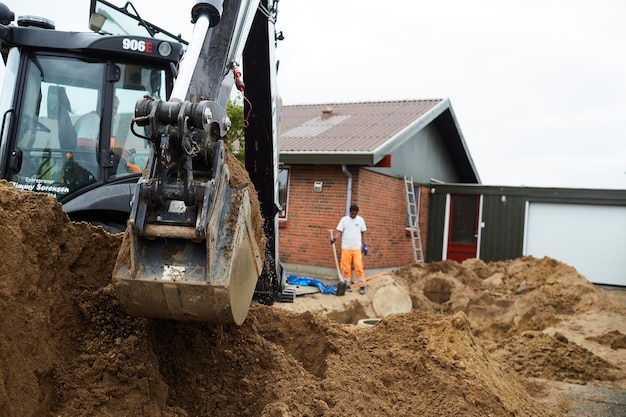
(463, 227)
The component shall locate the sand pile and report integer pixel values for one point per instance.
(473, 344)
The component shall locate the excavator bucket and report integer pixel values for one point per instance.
(174, 272)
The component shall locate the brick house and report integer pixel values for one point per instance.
(339, 154)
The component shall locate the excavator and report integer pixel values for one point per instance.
(127, 128)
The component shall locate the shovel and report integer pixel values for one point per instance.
(341, 285)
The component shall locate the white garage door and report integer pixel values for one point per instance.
(590, 238)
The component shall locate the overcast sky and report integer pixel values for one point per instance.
(538, 87)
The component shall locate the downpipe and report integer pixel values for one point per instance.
(349, 195)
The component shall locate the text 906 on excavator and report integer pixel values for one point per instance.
(126, 135)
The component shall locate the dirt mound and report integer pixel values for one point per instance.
(509, 305)
(503, 299)
(66, 348)
(540, 314)
(614, 339)
(553, 357)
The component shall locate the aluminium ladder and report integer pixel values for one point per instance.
(412, 203)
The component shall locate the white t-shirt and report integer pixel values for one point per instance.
(351, 231)
(88, 126)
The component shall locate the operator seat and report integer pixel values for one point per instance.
(81, 167)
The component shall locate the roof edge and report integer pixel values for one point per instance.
(327, 158)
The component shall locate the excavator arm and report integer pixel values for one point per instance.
(201, 242)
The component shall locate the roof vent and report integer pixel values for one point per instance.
(327, 112)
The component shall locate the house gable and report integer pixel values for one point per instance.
(422, 158)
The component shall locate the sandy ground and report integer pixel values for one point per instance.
(527, 337)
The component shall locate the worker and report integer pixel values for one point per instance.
(88, 131)
(88, 128)
(352, 229)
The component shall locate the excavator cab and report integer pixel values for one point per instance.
(67, 102)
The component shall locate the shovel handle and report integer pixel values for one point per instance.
(335, 253)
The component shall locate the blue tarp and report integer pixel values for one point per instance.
(311, 282)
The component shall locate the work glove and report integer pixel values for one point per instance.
(333, 240)
(364, 249)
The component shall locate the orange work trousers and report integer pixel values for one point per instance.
(348, 258)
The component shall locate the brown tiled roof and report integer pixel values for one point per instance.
(348, 127)
(365, 133)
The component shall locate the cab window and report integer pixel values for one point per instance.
(134, 83)
(72, 131)
(53, 99)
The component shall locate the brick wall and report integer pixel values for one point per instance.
(304, 236)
